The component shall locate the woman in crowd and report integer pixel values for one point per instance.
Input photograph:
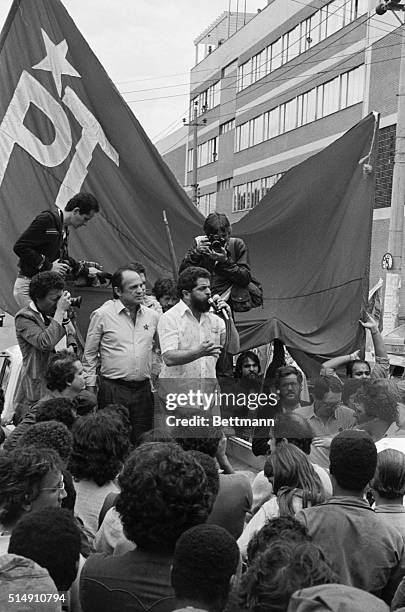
(100, 446)
(296, 485)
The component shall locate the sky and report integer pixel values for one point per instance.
(147, 48)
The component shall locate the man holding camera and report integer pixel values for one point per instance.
(224, 257)
(40, 327)
(44, 244)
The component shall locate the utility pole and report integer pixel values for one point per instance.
(392, 260)
(195, 124)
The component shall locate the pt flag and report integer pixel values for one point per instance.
(64, 128)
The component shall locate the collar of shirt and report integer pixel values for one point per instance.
(35, 309)
(183, 309)
(390, 509)
(346, 500)
(392, 429)
(120, 307)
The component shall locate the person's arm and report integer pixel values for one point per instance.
(329, 367)
(221, 457)
(233, 340)
(380, 350)
(91, 350)
(234, 266)
(193, 257)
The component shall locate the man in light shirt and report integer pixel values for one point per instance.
(191, 339)
(120, 339)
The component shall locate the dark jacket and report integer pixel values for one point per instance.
(235, 270)
(41, 243)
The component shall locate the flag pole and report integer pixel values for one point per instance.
(171, 247)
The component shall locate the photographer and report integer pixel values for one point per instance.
(44, 244)
(224, 257)
(39, 328)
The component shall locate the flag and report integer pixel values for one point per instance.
(309, 240)
(64, 128)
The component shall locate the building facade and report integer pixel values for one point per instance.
(281, 87)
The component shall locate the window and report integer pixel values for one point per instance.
(206, 154)
(206, 100)
(206, 203)
(249, 194)
(336, 94)
(323, 23)
(227, 127)
(224, 184)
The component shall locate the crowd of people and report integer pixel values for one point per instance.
(104, 505)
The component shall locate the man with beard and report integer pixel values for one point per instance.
(39, 328)
(246, 383)
(326, 417)
(120, 340)
(191, 340)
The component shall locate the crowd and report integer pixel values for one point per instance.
(105, 506)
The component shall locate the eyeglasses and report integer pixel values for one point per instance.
(59, 487)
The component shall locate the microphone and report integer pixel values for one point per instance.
(212, 301)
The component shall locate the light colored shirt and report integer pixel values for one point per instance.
(343, 418)
(124, 350)
(89, 501)
(179, 330)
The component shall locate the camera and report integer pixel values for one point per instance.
(76, 302)
(217, 243)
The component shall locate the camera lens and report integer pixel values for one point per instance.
(76, 301)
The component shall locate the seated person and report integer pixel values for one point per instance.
(30, 479)
(358, 368)
(164, 492)
(205, 563)
(388, 487)
(165, 291)
(280, 528)
(51, 538)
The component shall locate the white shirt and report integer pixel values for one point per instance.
(178, 329)
(123, 349)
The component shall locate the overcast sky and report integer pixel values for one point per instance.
(147, 48)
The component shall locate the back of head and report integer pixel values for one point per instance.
(154, 435)
(353, 459)
(61, 370)
(281, 528)
(380, 399)
(210, 469)
(51, 538)
(389, 477)
(164, 492)
(205, 559)
(21, 473)
(335, 598)
(292, 474)
(49, 434)
(19, 576)
(295, 429)
(279, 571)
(56, 409)
(350, 387)
(164, 286)
(100, 445)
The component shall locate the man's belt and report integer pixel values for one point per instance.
(130, 384)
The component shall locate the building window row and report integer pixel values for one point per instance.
(207, 152)
(206, 100)
(206, 203)
(224, 184)
(248, 195)
(226, 127)
(336, 94)
(325, 22)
